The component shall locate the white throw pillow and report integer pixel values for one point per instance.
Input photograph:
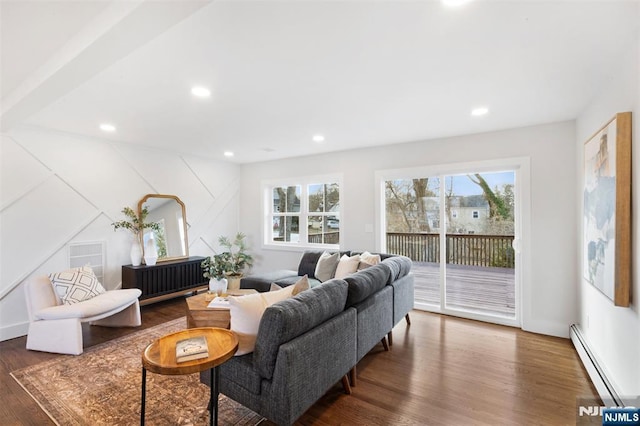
(347, 265)
(326, 266)
(367, 259)
(301, 285)
(76, 285)
(246, 313)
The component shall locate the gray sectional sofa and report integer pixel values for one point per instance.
(308, 343)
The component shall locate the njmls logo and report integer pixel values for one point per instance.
(627, 416)
(594, 410)
(590, 411)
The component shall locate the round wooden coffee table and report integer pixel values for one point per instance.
(160, 358)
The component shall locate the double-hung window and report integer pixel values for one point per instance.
(303, 212)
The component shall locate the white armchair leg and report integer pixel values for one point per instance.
(62, 336)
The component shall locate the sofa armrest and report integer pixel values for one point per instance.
(308, 366)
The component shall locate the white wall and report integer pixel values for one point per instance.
(58, 188)
(551, 309)
(613, 333)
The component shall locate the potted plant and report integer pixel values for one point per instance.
(136, 224)
(226, 268)
(236, 255)
(214, 268)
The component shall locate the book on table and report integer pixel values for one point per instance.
(191, 348)
(219, 302)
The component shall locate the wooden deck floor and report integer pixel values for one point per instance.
(479, 289)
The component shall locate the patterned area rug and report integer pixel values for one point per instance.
(102, 387)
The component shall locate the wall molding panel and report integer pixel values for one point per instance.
(60, 188)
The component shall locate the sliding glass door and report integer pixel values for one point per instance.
(459, 229)
(479, 231)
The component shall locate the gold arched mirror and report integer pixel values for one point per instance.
(169, 212)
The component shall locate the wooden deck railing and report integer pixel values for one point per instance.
(331, 237)
(462, 249)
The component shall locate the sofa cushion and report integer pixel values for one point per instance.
(347, 265)
(292, 317)
(76, 285)
(301, 285)
(366, 282)
(367, 259)
(309, 261)
(114, 300)
(326, 266)
(399, 266)
(292, 280)
(246, 312)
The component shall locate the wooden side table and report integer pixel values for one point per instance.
(199, 315)
(160, 358)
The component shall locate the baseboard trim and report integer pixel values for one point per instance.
(607, 392)
(12, 331)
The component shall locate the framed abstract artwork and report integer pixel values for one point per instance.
(607, 209)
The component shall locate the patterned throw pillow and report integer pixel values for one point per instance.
(76, 284)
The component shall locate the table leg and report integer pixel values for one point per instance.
(144, 392)
(213, 399)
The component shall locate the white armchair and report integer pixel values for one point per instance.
(57, 328)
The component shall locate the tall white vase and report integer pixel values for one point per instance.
(136, 252)
(150, 251)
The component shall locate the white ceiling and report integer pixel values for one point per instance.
(361, 73)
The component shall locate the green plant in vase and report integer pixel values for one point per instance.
(214, 267)
(236, 256)
(136, 224)
(229, 264)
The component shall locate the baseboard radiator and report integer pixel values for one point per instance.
(597, 374)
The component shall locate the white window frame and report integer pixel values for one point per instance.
(304, 182)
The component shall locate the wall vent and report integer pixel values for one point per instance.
(88, 253)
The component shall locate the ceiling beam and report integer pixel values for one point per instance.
(119, 30)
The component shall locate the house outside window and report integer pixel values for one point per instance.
(476, 214)
(303, 212)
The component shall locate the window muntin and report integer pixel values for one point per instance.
(304, 213)
(324, 203)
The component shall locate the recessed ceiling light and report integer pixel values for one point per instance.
(106, 127)
(201, 92)
(479, 111)
(454, 3)
(228, 154)
(318, 138)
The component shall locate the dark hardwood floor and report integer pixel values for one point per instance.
(440, 371)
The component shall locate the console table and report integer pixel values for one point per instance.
(166, 279)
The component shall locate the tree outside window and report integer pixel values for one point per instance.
(304, 214)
